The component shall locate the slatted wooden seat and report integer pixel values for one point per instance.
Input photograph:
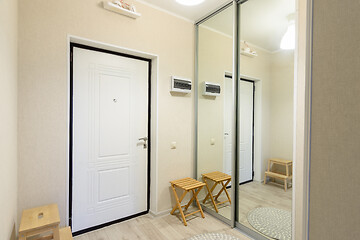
(43, 223)
(187, 185)
(217, 178)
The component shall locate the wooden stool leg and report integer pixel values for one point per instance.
(179, 205)
(191, 200)
(209, 190)
(56, 233)
(265, 178)
(207, 187)
(226, 192)
(197, 201)
(221, 190)
(180, 200)
(285, 184)
(287, 169)
(210, 194)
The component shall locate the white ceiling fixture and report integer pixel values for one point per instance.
(190, 2)
(192, 14)
(288, 40)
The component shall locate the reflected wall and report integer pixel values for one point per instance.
(215, 60)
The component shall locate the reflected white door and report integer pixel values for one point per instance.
(246, 131)
(110, 114)
(228, 120)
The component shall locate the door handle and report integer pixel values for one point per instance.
(145, 141)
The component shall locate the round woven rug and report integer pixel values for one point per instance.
(213, 236)
(272, 222)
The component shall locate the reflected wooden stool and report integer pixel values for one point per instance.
(217, 178)
(285, 177)
(43, 223)
(187, 185)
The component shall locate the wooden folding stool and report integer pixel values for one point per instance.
(187, 184)
(217, 178)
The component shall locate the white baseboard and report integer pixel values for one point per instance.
(161, 213)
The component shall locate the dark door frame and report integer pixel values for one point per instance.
(149, 61)
(253, 127)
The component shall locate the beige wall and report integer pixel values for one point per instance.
(43, 91)
(8, 118)
(335, 123)
(214, 59)
(282, 105)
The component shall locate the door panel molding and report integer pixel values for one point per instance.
(114, 161)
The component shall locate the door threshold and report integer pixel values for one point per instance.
(90, 229)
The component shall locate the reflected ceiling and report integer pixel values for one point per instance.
(263, 22)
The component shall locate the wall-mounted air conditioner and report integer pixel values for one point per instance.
(210, 89)
(180, 85)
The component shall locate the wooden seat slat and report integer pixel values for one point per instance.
(279, 160)
(217, 176)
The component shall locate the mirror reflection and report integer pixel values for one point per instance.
(265, 115)
(215, 101)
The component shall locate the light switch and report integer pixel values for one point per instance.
(173, 145)
(212, 141)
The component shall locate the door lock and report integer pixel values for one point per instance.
(145, 141)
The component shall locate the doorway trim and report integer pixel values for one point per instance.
(152, 124)
(257, 123)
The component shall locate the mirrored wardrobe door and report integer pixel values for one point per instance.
(215, 97)
(265, 118)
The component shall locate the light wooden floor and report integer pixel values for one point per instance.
(167, 227)
(254, 195)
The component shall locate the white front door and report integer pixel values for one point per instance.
(228, 121)
(246, 131)
(110, 115)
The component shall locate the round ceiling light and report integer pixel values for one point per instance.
(190, 2)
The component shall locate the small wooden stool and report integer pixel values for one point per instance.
(36, 222)
(285, 177)
(187, 184)
(217, 177)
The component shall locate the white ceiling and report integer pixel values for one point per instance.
(192, 13)
(263, 22)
